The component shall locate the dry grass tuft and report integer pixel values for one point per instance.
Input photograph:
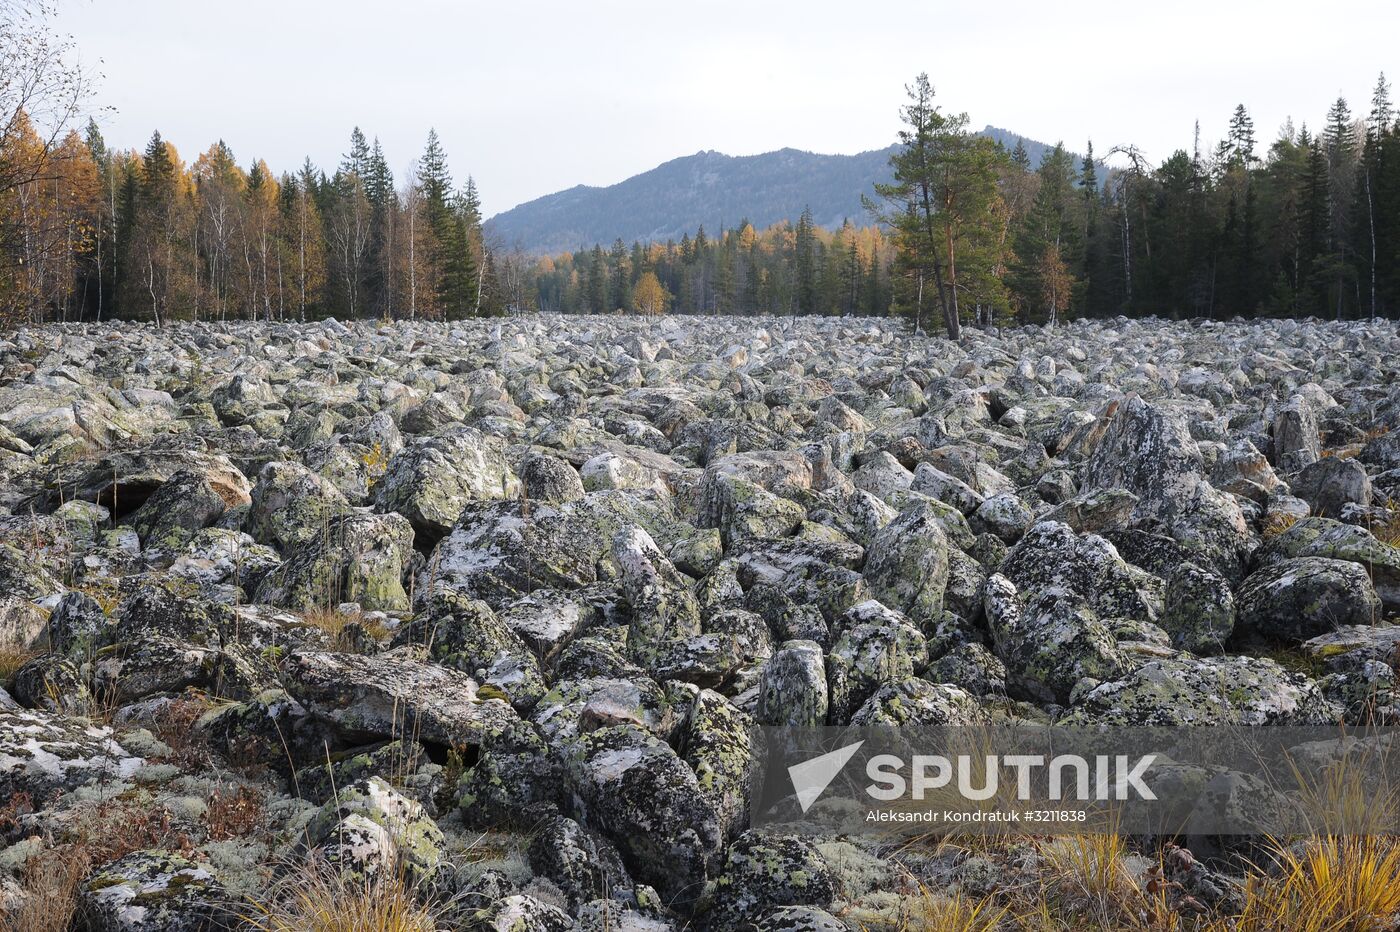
(115, 828)
(50, 882)
(932, 912)
(1332, 884)
(344, 627)
(12, 657)
(175, 725)
(1277, 523)
(318, 898)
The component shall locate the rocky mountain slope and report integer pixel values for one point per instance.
(490, 607)
(707, 189)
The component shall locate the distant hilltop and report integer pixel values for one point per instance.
(710, 189)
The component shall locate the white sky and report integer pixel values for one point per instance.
(534, 97)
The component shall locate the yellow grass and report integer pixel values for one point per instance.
(321, 899)
(1332, 884)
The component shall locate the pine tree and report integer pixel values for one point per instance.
(1241, 137)
(454, 273)
(806, 264)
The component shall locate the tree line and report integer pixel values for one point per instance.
(88, 232)
(101, 234)
(1309, 226)
(970, 231)
(784, 269)
(967, 230)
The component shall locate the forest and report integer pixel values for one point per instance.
(1307, 225)
(969, 230)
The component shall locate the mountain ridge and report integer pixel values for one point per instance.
(707, 188)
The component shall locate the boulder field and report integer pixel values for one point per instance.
(494, 604)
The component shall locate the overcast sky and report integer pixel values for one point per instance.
(533, 97)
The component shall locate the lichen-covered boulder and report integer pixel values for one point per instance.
(155, 891)
(1243, 470)
(573, 707)
(763, 873)
(465, 634)
(635, 790)
(1199, 614)
(1004, 515)
(877, 646)
(183, 504)
(582, 864)
(1049, 643)
(1086, 569)
(972, 667)
(53, 683)
(41, 754)
(1296, 441)
(1332, 483)
(1207, 691)
(515, 778)
(1148, 450)
(502, 551)
(934, 482)
(545, 478)
(793, 689)
(743, 510)
(906, 564)
(360, 558)
(432, 479)
(368, 827)
(664, 609)
(292, 506)
(1294, 600)
(800, 919)
(393, 694)
(916, 701)
(1324, 537)
(715, 743)
(521, 912)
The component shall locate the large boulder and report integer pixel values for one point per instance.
(292, 506)
(183, 504)
(633, 788)
(906, 564)
(394, 694)
(1049, 643)
(1296, 441)
(370, 828)
(432, 479)
(1211, 691)
(1323, 537)
(155, 891)
(664, 609)
(1297, 599)
(43, 754)
(793, 689)
(360, 558)
(1149, 451)
(466, 634)
(764, 873)
(1331, 484)
(877, 646)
